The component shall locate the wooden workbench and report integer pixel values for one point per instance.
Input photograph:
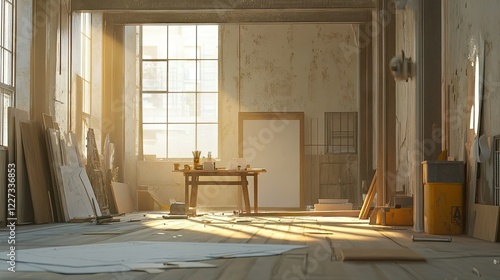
(192, 181)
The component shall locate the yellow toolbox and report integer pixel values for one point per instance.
(395, 217)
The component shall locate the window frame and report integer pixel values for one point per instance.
(7, 88)
(83, 80)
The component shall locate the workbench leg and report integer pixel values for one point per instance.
(255, 193)
(246, 198)
(194, 193)
(186, 194)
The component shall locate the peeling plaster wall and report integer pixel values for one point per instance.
(465, 21)
(305, 68)
(293, 67)
(266, 68)
(298, 67)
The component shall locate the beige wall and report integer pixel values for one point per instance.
(265, 68)
(465, 22)
(282, 67)
(279, 67)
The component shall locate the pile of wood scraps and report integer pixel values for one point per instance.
(74, 197)
(96, 174)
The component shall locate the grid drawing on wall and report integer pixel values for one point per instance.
(341, 132)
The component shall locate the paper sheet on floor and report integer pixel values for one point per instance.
(137, 255)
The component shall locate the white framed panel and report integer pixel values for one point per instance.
(274, 141)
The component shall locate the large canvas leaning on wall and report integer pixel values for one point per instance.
(275, 141)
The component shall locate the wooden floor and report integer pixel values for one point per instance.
(463, 258)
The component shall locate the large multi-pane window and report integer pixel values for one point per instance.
(7, 85)
(179, 90)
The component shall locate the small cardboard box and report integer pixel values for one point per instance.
(395, 217)
(332, 206)
(209, 165)
(177, 208)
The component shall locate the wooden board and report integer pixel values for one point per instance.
(123, 197)
(24, 206)
(146, 200)
(332, 206)
(70, 151)
(78, 192)
(38, 172)
(379, 254)
(100, 184)
(332, 200)
(74, 144)
(48, 122)
(365, 209)
(486, 222)
(84, 179)
(55, 162)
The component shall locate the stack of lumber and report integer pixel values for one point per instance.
(51, 181)
(332, 204)
(73, 193)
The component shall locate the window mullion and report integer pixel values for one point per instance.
(167, 73)
(196, 91)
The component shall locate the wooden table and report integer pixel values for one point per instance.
(192, 179)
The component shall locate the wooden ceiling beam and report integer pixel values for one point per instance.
(254, 16)
(172, 5)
